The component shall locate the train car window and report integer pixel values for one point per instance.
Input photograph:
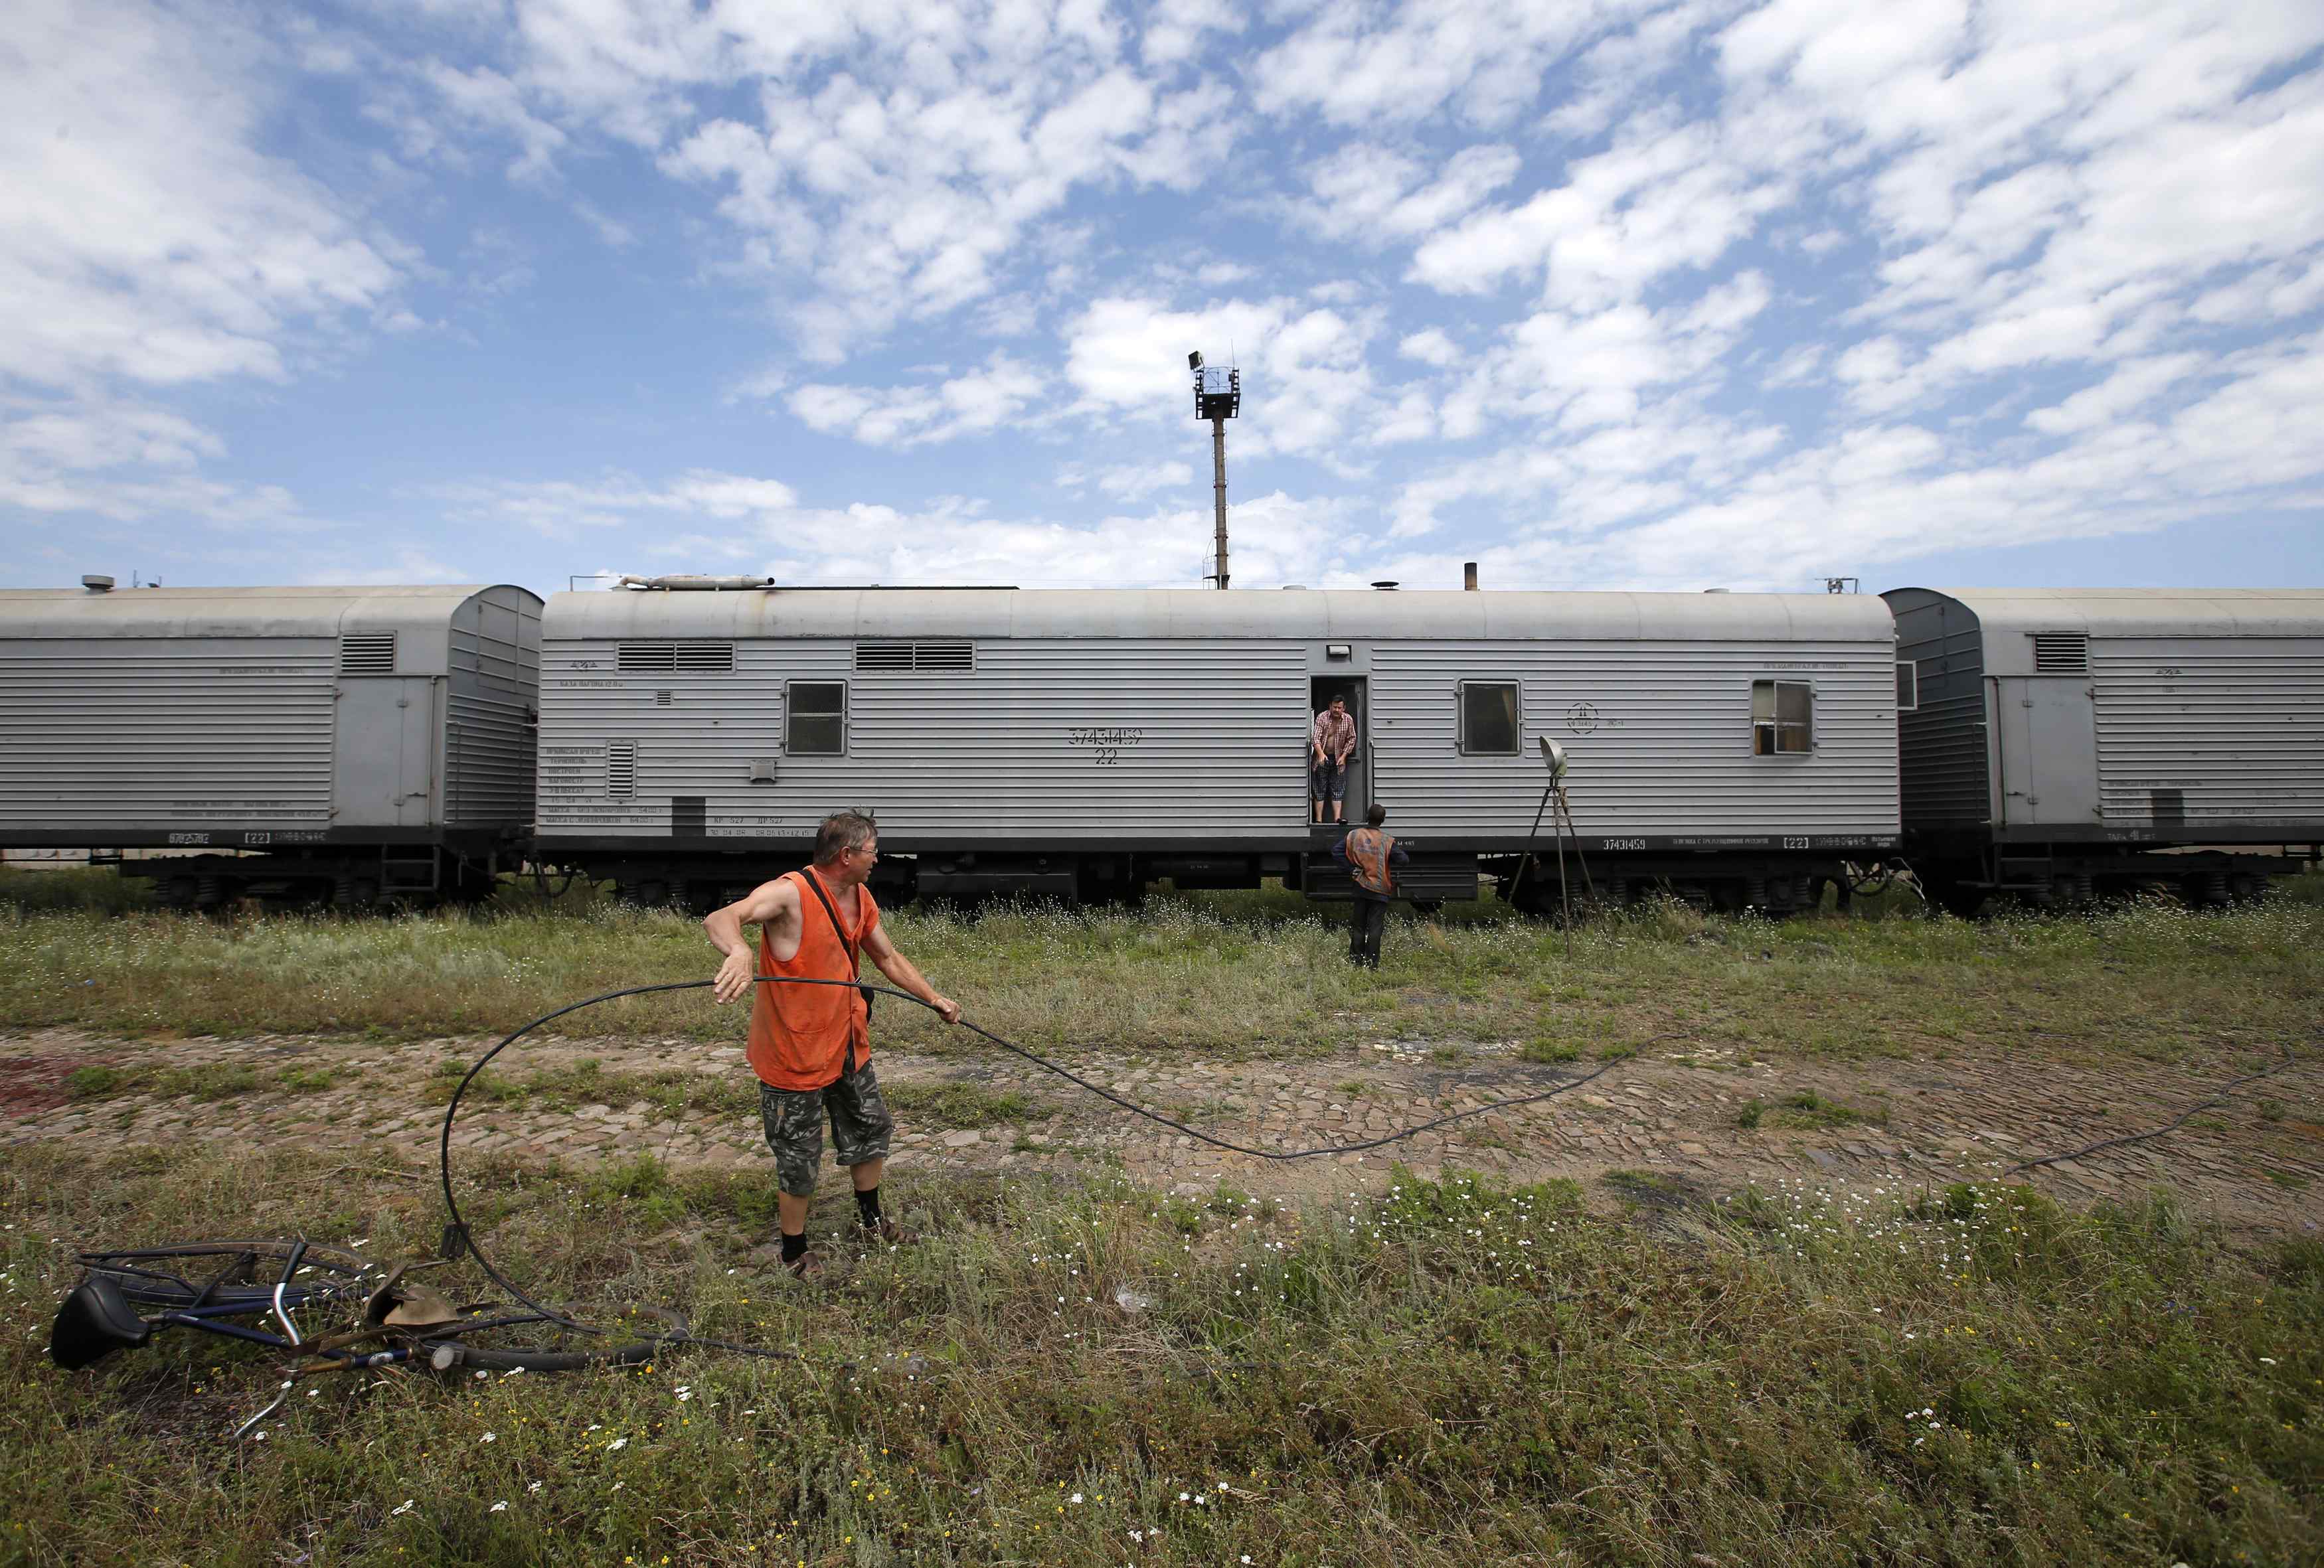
(1488, 718)
(1908, 685)
(814, 718)
(1783, 718)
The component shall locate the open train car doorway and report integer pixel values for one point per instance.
(1321, 689)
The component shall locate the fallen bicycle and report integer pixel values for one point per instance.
(257, 1291)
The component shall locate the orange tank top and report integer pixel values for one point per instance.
(800, 1034)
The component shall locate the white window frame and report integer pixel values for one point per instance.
(1775, 724)
(1914, 705)
(791, 714)
(1460, 719)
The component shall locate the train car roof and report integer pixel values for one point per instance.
(297, 611)
(1319, 614)
(2135, 612)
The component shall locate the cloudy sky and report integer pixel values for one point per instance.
(1619, 294)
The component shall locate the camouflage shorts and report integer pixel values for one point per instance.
(860, 1127)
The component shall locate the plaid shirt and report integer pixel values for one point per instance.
(1335, 734)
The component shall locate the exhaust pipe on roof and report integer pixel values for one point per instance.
(1469, 576)
(696, 584)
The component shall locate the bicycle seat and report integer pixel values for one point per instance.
(94, 1321)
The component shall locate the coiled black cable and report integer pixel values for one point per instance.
(451, 1111)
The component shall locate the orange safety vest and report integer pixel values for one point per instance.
(1367, 852)
(800, 1035)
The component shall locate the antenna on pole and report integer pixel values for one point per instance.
(1218, 398)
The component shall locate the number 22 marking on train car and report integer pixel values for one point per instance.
(1106, 756)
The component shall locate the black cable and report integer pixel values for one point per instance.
(451, 1111)
(2219, 1098)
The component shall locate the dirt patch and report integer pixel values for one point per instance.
(1677, 1119)
(30, 1085)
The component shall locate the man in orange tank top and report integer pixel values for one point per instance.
(811, 1044)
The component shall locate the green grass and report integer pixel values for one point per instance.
(1454, 1373)
(963, 1104)
(1234, 973)
(206, 1081)
(1806, 1109)
(86, 888)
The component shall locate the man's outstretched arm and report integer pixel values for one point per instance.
(763, 903)
(904, 972)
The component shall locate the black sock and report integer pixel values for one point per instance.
(867, 1208)
(794, 1247)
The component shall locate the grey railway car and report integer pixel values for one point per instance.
(359, 744)
(1734, 747)
(2066, 742)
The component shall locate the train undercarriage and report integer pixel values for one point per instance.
(1774, 884)
(351, 879)
(1968, 879)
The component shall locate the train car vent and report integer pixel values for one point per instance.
(2062, 653)
(367, 653)
(621, 770)
(916, 657)
(676, 657)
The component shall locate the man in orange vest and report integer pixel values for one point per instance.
(811, 1044)
(1371, 858)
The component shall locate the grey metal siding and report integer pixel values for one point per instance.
(493, 691)
(154, 733)
(1658, 733)
(1942, 745)
(2234, 725)
(1045, 737)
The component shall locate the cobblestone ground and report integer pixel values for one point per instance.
(2255, 1161)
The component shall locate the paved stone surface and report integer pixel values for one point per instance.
(2256, 1162)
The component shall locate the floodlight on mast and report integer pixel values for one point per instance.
(1218, 398)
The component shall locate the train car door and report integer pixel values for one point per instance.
(2049, 751)
(384, 763)
(1321, 689)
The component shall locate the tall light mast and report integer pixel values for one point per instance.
(1218, 398)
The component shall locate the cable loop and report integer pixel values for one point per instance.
(460, 1226)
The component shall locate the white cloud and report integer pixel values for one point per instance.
(1176, 29)
(1276, 538)
(1128, 481)
(1679, 288)
(1480, 60)
(1430, 347)
(1662, 200)
(148, 242)
(1305, 378)
(1374, 195)
(2132, 386)
(560, 508)
(976, 403)
(896, 162)
(142, 233)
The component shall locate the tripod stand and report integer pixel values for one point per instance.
(1562, 825)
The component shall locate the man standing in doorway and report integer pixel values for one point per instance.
(1371, 858)
(1330, 747)
(811, 1044)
